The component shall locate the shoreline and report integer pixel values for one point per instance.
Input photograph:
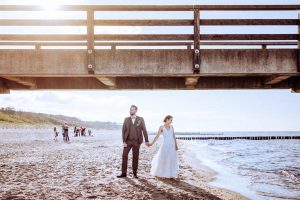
(207, 175)
(87, 168)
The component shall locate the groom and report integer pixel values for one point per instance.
(133, 130)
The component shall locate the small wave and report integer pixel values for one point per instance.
(292, 174)
(271, 166)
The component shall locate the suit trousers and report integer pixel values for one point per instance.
(135, 146)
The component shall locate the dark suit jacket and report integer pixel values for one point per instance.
(140, 129)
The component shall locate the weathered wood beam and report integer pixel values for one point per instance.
(65, 37)
(246, 82)
(187, 22)
(248, 37)
(90, 41)
(69, 83)
(109, 81)
(275, 79)
(298, 68)
(43, 37)
(145, 22)
(139, 62)
(144, 37)
(299, 29)
(179, 83)
(36, 43)
(29, 82)
(148, 83)
(4, 91)
(191, 82)
(202, 37)
(42, 22)
(150, 7)
(239, 22)
(3, 88)
(27, 43)
(196, 61)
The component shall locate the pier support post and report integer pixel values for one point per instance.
(90, 41)
(298, 66)
(3, 88)
(296, 88)
(196, 60)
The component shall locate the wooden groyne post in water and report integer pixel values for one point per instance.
(241, 138)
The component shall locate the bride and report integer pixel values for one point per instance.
(165, 162)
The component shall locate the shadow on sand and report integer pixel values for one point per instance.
(177, 189)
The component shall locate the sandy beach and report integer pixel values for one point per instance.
(36, 167)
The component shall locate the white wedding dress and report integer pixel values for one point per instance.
(165, 162)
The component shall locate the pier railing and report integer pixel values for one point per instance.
(190, 41)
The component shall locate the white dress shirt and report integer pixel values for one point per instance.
(133, 119)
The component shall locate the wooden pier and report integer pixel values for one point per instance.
(241, 138)
(83, 65)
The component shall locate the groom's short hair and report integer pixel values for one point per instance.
(134, 106)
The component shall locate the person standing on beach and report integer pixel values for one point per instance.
(165, 163)
(66, 132)
(63, 133)
(75, 135)
(80, 132)
(55, 134)
(133, 131)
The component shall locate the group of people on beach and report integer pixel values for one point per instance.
(65, 132)
(81, 131)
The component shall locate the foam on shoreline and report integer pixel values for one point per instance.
(218, 176)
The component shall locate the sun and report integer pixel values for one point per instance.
(49, 5)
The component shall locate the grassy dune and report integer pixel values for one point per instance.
(9, 117)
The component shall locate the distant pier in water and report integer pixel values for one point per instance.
(240, 138)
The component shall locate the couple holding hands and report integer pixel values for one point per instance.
(165, 163)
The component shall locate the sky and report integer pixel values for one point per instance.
(194, 110)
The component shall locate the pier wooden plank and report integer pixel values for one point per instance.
(151, 7)
(215, 62)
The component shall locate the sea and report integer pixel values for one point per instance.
(257, 169)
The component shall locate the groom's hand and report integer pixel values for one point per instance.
(124, 144)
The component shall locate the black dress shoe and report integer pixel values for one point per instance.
(122, 176)
(135, 175)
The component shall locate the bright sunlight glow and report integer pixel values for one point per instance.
(49, 5)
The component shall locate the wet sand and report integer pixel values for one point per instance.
(86, 168)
